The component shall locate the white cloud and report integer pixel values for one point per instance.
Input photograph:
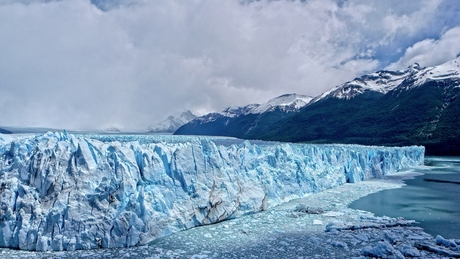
(430, 52)
(69, 64)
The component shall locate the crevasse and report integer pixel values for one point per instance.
(64, 192)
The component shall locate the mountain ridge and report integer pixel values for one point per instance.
(4, 131)
(270, 112)
(404, 107)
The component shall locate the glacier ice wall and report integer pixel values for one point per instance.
(65, 192)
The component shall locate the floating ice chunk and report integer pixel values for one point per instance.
(333, 214)
(340, 244)
(382, 250)
(392, 237)
(445, 242)
(409, 251)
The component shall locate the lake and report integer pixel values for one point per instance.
(432, 199)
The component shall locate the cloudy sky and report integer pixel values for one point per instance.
(130, 63)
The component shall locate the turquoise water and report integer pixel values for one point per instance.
(432, 199)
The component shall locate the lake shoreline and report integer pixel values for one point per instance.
(430, 198)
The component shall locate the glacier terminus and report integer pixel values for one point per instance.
(60, 191)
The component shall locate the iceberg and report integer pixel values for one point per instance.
(60, 191)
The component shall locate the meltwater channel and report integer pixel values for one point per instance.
(432, 199)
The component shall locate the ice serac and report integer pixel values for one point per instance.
(64, 192)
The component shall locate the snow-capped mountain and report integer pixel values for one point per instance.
(380, 81)
(228, 121)
(418, 105)
(235, 111)
(172, 123)
(285, 103)
(384, 81)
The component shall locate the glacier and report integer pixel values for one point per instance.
(60, 191)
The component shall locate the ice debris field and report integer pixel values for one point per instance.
(74, 192)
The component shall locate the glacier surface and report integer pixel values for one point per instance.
(65, 192)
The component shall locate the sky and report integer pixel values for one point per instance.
(81, 64)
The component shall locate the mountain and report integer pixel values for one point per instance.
(244, 121)
(380, 82)
(405, 107)
(4, 131)
(285, 103)
(172, 123)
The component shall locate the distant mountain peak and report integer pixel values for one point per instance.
(415, 66)
(172, 123)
